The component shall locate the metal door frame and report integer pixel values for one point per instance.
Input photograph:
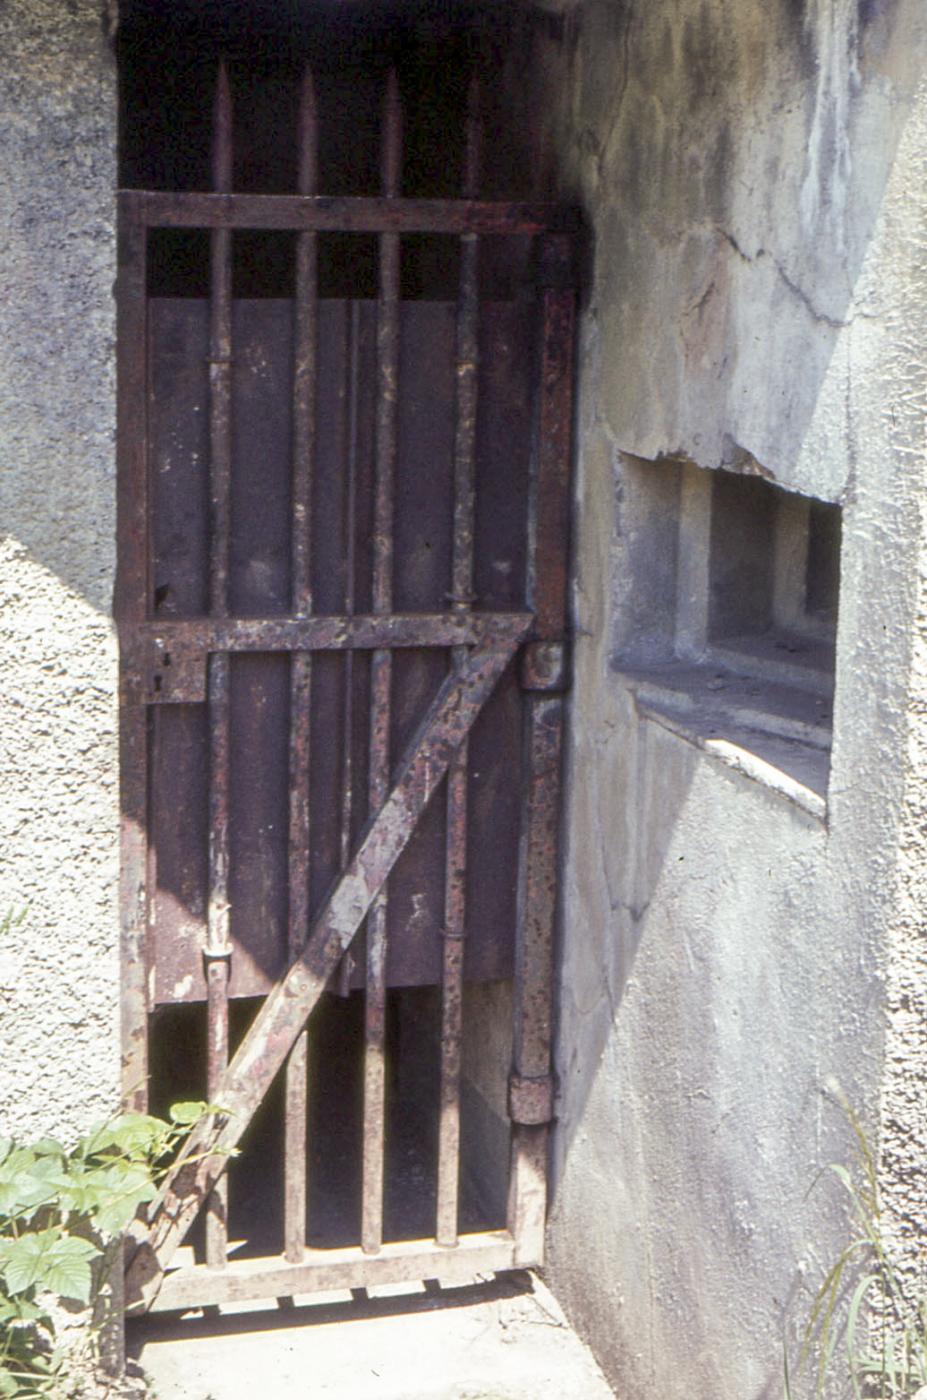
(188, 660)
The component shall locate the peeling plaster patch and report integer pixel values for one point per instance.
(692, 186)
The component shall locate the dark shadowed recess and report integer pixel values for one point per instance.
(167, 62)
(335, 1126)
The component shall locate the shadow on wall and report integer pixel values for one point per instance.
(724, 158)
(734, 162)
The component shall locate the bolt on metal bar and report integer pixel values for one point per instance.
(381, 666)
(455, 875)
(349, 552)
(305, 383)
(218, 948)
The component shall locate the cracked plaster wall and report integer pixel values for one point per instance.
(754, 177)
(58, 765)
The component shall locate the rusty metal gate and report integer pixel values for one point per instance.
(342, 561)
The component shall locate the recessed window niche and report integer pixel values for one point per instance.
(727, 617)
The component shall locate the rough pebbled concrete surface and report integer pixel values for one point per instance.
(902, 409)
(58, 770)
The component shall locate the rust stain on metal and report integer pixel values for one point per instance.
(343, 214)
(132, 594)
(544, 712)
(217, 950)
(548, 573)
(305, 374)
(165, 661)
(462, 598)
(336, 1269)
(349, 528)
(381, 667)
(305, 392)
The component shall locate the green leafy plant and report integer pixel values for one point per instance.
(63, 1212)
(863, 1315)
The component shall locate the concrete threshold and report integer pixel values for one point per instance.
(503, 1337)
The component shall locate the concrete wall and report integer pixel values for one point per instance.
(58, 771)
(753, 175)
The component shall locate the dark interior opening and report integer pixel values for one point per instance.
(335, 1126)
(774, 560)
(743, 511)
(774, 581)
(822, 579)
(168, 57)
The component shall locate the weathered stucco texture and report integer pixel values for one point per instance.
(58, 763)
(753, 177)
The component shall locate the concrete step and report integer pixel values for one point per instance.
(501, 1338)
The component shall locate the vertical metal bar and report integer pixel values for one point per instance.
(455, 876)
(349, 548)
(534, 968)
(132, 599)
(381, 673)
(305, 342)
(544, 680)
(218, 948)
(550, 506)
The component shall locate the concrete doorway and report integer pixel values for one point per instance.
(345, 405)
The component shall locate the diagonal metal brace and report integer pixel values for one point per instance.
(288, 1007)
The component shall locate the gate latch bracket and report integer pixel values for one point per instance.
(531, 1099)
(544, 667)
(158, 672)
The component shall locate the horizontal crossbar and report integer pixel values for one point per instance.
(371, 631)
(339, 214)
(320, 1270)
(165, 662)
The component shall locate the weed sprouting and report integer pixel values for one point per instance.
(863, 1316)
